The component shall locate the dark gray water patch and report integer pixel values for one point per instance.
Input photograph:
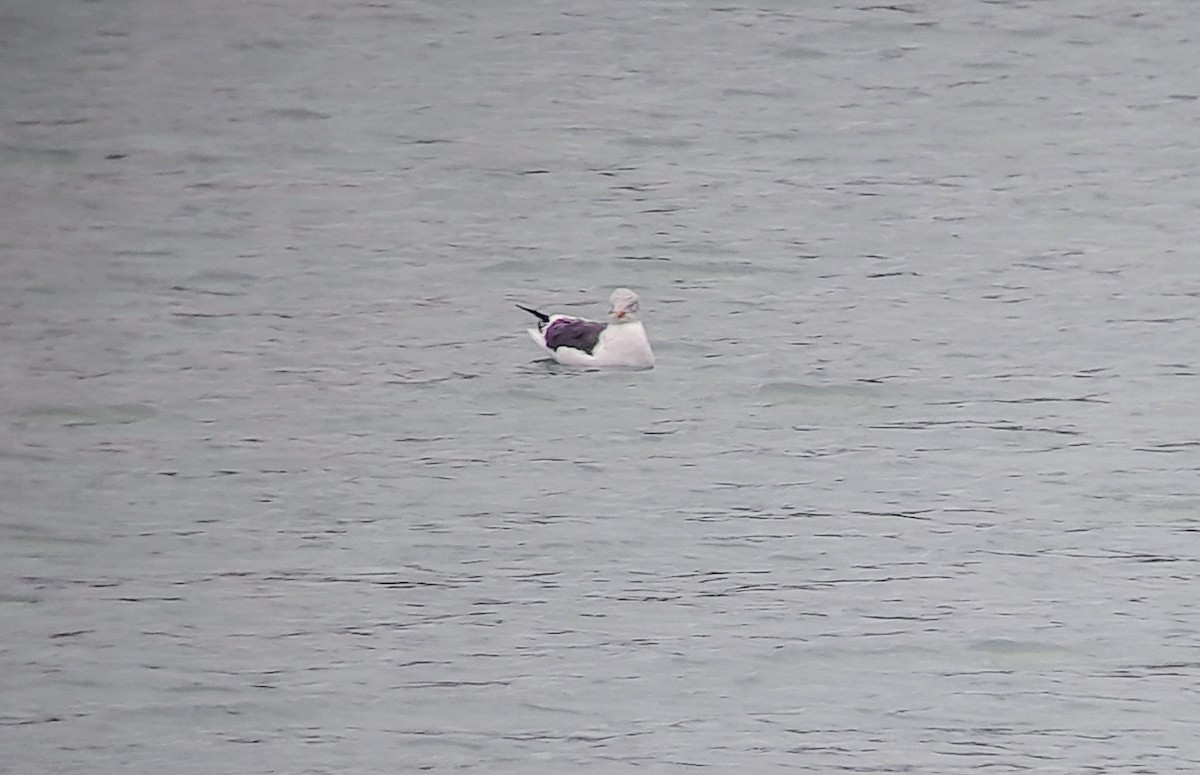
(35, 534)
(15, 153)
(610, 172)
(640, 188)
(143, 253)
(68, 121)
(957, 515)
(775, 393)
(68, 634)
(428, 382)
(822, 452)
(796, 53)
(1019, 649)
(514, 266)
(195, 319)
(758, 93)
(422, 140)
(707, 515)
(908, 8)
(749, 539)
(727, 266)
(915, 514)
(1144, 557)
(1091, 398)
(740, 513)
(1157, 321)
(270, 44)
(298, 114)
(72, 416)
(892, 273)
(23, 456)
(21, 721)
(198, 157)
(756, 136)
(226, 184)
(1031, 33)
(659, 141)
(1173, 669)
(411, 577)
(668, 427)
(218, 283)
(995, 425)
(1171, 447)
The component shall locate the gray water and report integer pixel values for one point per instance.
(284, 488)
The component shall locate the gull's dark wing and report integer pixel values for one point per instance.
(573, 332)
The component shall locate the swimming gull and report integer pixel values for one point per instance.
(621, 342)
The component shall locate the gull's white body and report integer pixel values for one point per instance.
(624, 345)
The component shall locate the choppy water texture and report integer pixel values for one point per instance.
(915, 486)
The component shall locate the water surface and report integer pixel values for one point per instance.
(285, 487)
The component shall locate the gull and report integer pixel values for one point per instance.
(619, 343)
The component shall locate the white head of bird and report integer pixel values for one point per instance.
(623, 306)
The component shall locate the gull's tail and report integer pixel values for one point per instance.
(541, 316)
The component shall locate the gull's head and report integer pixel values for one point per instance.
(623, 306)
